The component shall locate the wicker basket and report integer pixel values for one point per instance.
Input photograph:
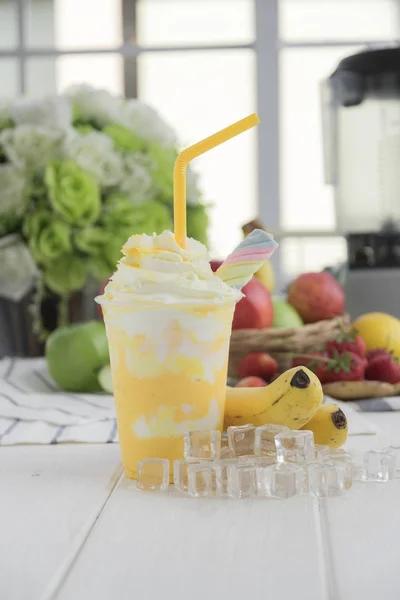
(281, 343)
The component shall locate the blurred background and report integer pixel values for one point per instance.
(320, 171)
(203, 64)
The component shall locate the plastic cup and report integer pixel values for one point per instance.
(169, 367)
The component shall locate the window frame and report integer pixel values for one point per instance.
(267, 47)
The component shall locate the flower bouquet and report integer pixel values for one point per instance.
(80, 173)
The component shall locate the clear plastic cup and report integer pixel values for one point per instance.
(169, 367)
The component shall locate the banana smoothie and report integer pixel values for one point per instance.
(168, 319)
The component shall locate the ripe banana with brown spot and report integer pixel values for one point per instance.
(329, 425)
(291, 400)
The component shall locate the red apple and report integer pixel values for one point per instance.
(255, 310)
(316, 296)
(215, 264)
(251, 382)
(260, 364)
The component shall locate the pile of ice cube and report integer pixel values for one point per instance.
(271, 461)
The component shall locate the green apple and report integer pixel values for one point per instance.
(105, 379)
(75, 354)
(285, 315)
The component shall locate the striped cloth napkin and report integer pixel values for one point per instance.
(34, 411)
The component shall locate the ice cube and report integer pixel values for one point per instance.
(295, 446)
(153, 474)
(281, 480)
(396, 451)
(200, 480)
(326, 479)
(241, 481)
(181, 475)
(265, 438)
(221, 474)
(321, 451)
(241, 439)
(202, 445)
(345, 460)
(379, 466)
(257, 461)
(226, 453)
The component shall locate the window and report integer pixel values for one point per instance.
(204, 64)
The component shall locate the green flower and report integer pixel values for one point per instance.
(84, 128)
(149, 217)
(197, 222)
(92, 240)
(163, 170)
(13, 198)
(99, 268)
(48, 238)
(103, 265)
(66, 275)
(73, 192)
(123, 138)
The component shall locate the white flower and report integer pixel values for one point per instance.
(95, 153)
(137, 181)
(31, 147)
(50, 111)
(146, 123)
(16, 266)
(12, 192)
(93, 105)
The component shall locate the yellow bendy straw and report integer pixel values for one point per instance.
(189, 154)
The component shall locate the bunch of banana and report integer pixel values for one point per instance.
(293, 399)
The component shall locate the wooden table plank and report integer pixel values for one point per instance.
(149, 545)
(362, 529)
(49, 497)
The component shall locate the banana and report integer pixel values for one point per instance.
(329, 425)
(291, 400)
(354, 390)
(266, 276)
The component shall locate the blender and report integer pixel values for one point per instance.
(361, 134)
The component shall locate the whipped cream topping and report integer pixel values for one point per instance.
(156, 269)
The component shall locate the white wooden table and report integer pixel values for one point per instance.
(73, 528)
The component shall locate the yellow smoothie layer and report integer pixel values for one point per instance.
(168, 384)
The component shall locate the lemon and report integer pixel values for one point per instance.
(379, 330)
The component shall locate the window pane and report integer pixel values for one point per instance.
(339, 19)
(48, 75)
(200, 93)
(68, 24)
(299, 255)
(8, 24)
(306, 201)
(8, 77)
(176, 22)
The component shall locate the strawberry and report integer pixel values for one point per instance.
(308, 360)
(347, 366)
(347, 341)
(378, 352)
(383, 367)
(259, 364)
(314, 361)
